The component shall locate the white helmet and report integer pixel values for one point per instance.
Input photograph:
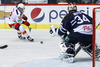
(72, 7)
(21, 6)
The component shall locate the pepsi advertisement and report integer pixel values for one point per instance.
(44, 14)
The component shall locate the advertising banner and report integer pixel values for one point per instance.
(44, 14)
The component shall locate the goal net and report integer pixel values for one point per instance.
(96, 33)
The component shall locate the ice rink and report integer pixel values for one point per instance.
(22, 53)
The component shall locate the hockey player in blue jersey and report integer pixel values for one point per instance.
(79, 26)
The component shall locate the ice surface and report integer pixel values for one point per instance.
(22, 53)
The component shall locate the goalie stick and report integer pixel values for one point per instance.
(3, 47)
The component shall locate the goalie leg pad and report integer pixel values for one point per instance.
(87, 49)
(65, 57)
(68, 50)
(97, 52)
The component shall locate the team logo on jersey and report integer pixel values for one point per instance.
(37, 14)
(19, 17)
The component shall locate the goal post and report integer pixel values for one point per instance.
(93, 39)
(96, 31)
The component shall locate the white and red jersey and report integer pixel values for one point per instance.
(15, 17)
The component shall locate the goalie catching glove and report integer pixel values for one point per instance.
(53, 30)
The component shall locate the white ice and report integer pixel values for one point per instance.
(22, 53)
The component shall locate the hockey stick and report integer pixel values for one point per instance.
(97, 25)
(29, 29)
(3, 47)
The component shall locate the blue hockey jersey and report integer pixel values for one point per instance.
(76, 22)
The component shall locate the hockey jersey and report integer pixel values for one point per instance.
(76, 22)
(15, 16)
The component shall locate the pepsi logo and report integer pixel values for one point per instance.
(37, 14)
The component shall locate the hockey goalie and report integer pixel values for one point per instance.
(79, 26)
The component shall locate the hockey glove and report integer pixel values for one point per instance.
(24, 17)
(26, 23)
(53, 30)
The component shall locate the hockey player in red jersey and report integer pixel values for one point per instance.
(16, 19)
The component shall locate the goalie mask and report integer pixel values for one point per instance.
(72, 7)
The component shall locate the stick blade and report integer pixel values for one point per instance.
(3, 47)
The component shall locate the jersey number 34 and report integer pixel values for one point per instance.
(81, 19)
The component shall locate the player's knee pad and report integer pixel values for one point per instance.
(21, 28)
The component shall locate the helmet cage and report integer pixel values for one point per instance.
(72, 7)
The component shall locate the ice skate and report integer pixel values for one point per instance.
(67, 57)
(30, 39)
(68, 52)
(21, 37)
